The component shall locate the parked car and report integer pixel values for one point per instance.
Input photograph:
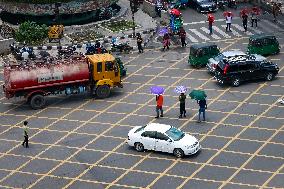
(203, 6)
(213, 62)
(200, 53)
(163, 138)
(263, 44)
(238, 69)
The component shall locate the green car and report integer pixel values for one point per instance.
(263, 44)
(201, 53)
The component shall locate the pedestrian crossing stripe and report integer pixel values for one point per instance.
(234, 32)
(196, 35)
(212, 35)
(247, 32)
(200, 35)
(191, 38)
(216, 29)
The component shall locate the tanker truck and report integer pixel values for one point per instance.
(35, 80)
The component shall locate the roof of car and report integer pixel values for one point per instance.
(157, 127)
(253, 57)
(261, 36)
(233, 53)
(202, 45)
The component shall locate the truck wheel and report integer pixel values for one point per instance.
(103, 91)
(37, 101)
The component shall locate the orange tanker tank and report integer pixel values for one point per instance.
(41, 75)
(36, 79)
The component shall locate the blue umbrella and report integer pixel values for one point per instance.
(180, 89)
(157, 90)
(163, 31)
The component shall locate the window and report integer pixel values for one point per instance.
(175, 134)
(150, 134)
(99, 67)
(109, 66)
(244, 67)
(233, 68)
(140, 129)
(161, 136)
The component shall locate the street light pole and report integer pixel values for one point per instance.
(134, 8)
(133, 25)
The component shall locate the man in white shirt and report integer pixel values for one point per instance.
(229, 21)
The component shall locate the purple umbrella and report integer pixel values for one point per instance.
(157, 90)
(180, 89)
(163, 31)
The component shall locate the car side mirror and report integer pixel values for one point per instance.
(169, 140)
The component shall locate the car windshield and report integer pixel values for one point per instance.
(175, 134)
(219, 57)
(140, 129)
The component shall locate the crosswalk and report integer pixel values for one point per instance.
(195, 35)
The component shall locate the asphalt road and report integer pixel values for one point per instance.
(79, 142)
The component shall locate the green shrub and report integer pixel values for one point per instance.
(31, 33)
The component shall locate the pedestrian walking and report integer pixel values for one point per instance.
(182, 35)
(25, 127)
(159, 107)
(254, 18)
(182, 110)
(245, 21)
(210, 23)
(139, 42)
(26, 141)
(275, 10)
(229, 18)
(166, 41)
(202, 106)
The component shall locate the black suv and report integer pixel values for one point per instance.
(237, 69)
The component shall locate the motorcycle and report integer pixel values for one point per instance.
(120, 46)
(93, 49)
(17, 52)
(67, 52)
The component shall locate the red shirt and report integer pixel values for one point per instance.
(160, 100)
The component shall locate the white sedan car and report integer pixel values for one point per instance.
(164, 138)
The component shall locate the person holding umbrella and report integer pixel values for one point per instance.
(229, 18)
(181, 98)
(200, 96)
(158, 91)
(182, 35)
(202, 106)
(159, 107)
(254, 18)
(244, 16)
(210, 23)
(166, 41)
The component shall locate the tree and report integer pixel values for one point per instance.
(31, 33)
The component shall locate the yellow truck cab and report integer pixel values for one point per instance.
(104, 73)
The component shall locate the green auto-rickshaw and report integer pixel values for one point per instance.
(263, 44)
(201, 53)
